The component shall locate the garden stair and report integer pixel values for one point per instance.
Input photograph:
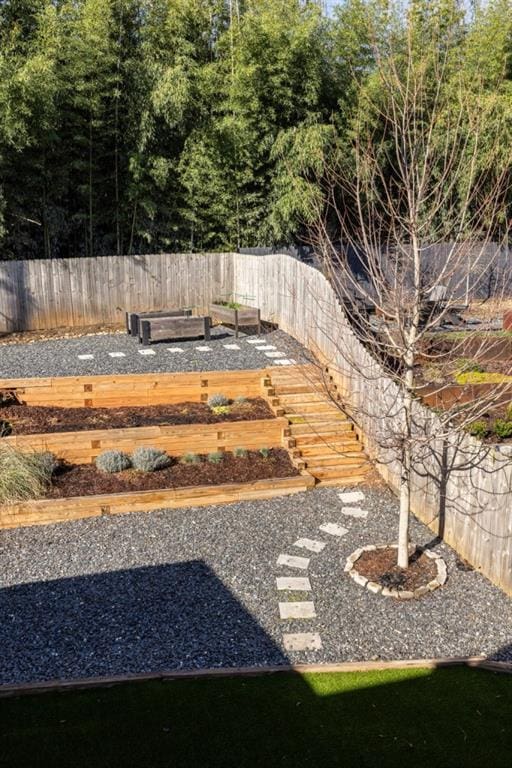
(321, 438)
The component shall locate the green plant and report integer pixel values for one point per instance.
(240, 453)
(264, 452)
(214, 401)
(215, 457)
(113, 461)
(486, 377)
(5, 428)
(509, 412)
(190, 458)
(219, 410)
(240, 400)
(24, 476)
(466, 365)
(150, 459)
(503, 428)
(478, 429)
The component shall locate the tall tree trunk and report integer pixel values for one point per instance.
(91, 250)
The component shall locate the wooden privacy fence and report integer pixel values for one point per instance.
(53, 293)
(461, 489)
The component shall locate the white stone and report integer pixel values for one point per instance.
(274, 354)
(305, 610)
(285, 361)
(359, 579)
(292, 561)
(333, 529)
(147, 352)
(312, 544)
(349, 497)
(116, 354)
(203, 349)
(174, 349)
(296, 583)
(266, 347)
(354, 512)
(231, 346)
(302, 641)
(86, 357)
(253, 341)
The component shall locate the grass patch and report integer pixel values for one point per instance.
(443, 718)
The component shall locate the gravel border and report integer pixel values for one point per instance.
(196, 588)
(59, 357)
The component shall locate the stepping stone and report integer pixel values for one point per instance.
(266, 348)
(333, 529)
(304, 610)
(86, 357)
(273, 354)
(294, 583)
(174, 349)
(302, 641)
(285, 362)
(349, 497)
(203, 349)
(147, 352)
(293, 562)
(253, 341)
(116, 354)
(231, 346)
(311, 544)
(354, 512)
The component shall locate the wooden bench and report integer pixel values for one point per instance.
(133, 318)
(171, 328)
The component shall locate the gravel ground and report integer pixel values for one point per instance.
(59, 357)
(196, 588)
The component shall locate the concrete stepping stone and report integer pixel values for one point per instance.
(203, 349)
(174, 349)
(333, 529)
(253, 341)
(266, 348)
(354, 512)
(302, 641)
(305, 610)
(86, 357)
(147, 352)
(311, 544)
(351, 497)
(274, 354)
(292, 561)
(231, 346)
(285, 362)
(116, 354)
(293, 583)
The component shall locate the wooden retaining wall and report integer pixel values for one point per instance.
(461, 489)
(48, 511)
(83, 447)
(135, 389)
(54, 293)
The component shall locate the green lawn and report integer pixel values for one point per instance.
(450, 717)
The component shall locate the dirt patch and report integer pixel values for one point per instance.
(31, 337)
(31, 419)
(86, 480)
(379, 565)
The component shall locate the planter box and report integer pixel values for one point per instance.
(46, 511)
(238, 317)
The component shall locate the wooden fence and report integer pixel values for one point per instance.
(54, 293)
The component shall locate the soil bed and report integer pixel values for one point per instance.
(379, 565)
(30, 419)
(86, 480)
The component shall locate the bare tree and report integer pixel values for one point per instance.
(417, 186)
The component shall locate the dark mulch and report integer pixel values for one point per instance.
(86, 480)
(379, 565)
(31, 419)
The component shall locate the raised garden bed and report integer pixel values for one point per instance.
(238, 315)
(30, 419)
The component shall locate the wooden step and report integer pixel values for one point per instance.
(330, 473)
(322, 435)
(320, 428)
(340, 482)
(307, 408)
(327, 448)
(334, 460)
(306, 397)
(334, 418)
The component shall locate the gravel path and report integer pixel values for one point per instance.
(197, 588)
(60, 357)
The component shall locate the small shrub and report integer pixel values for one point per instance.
(478, 429)
(215, 457)
(214, 401)
(5, 428)
(23, 476)
(219, 410)
(113, 461)
(264, 452)
(49, 462)
(240, 453)
(509, 412)
(150, 459)
(482, 378)
(190, 458)
(241, 400)
(466, 365)
(503, 428)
